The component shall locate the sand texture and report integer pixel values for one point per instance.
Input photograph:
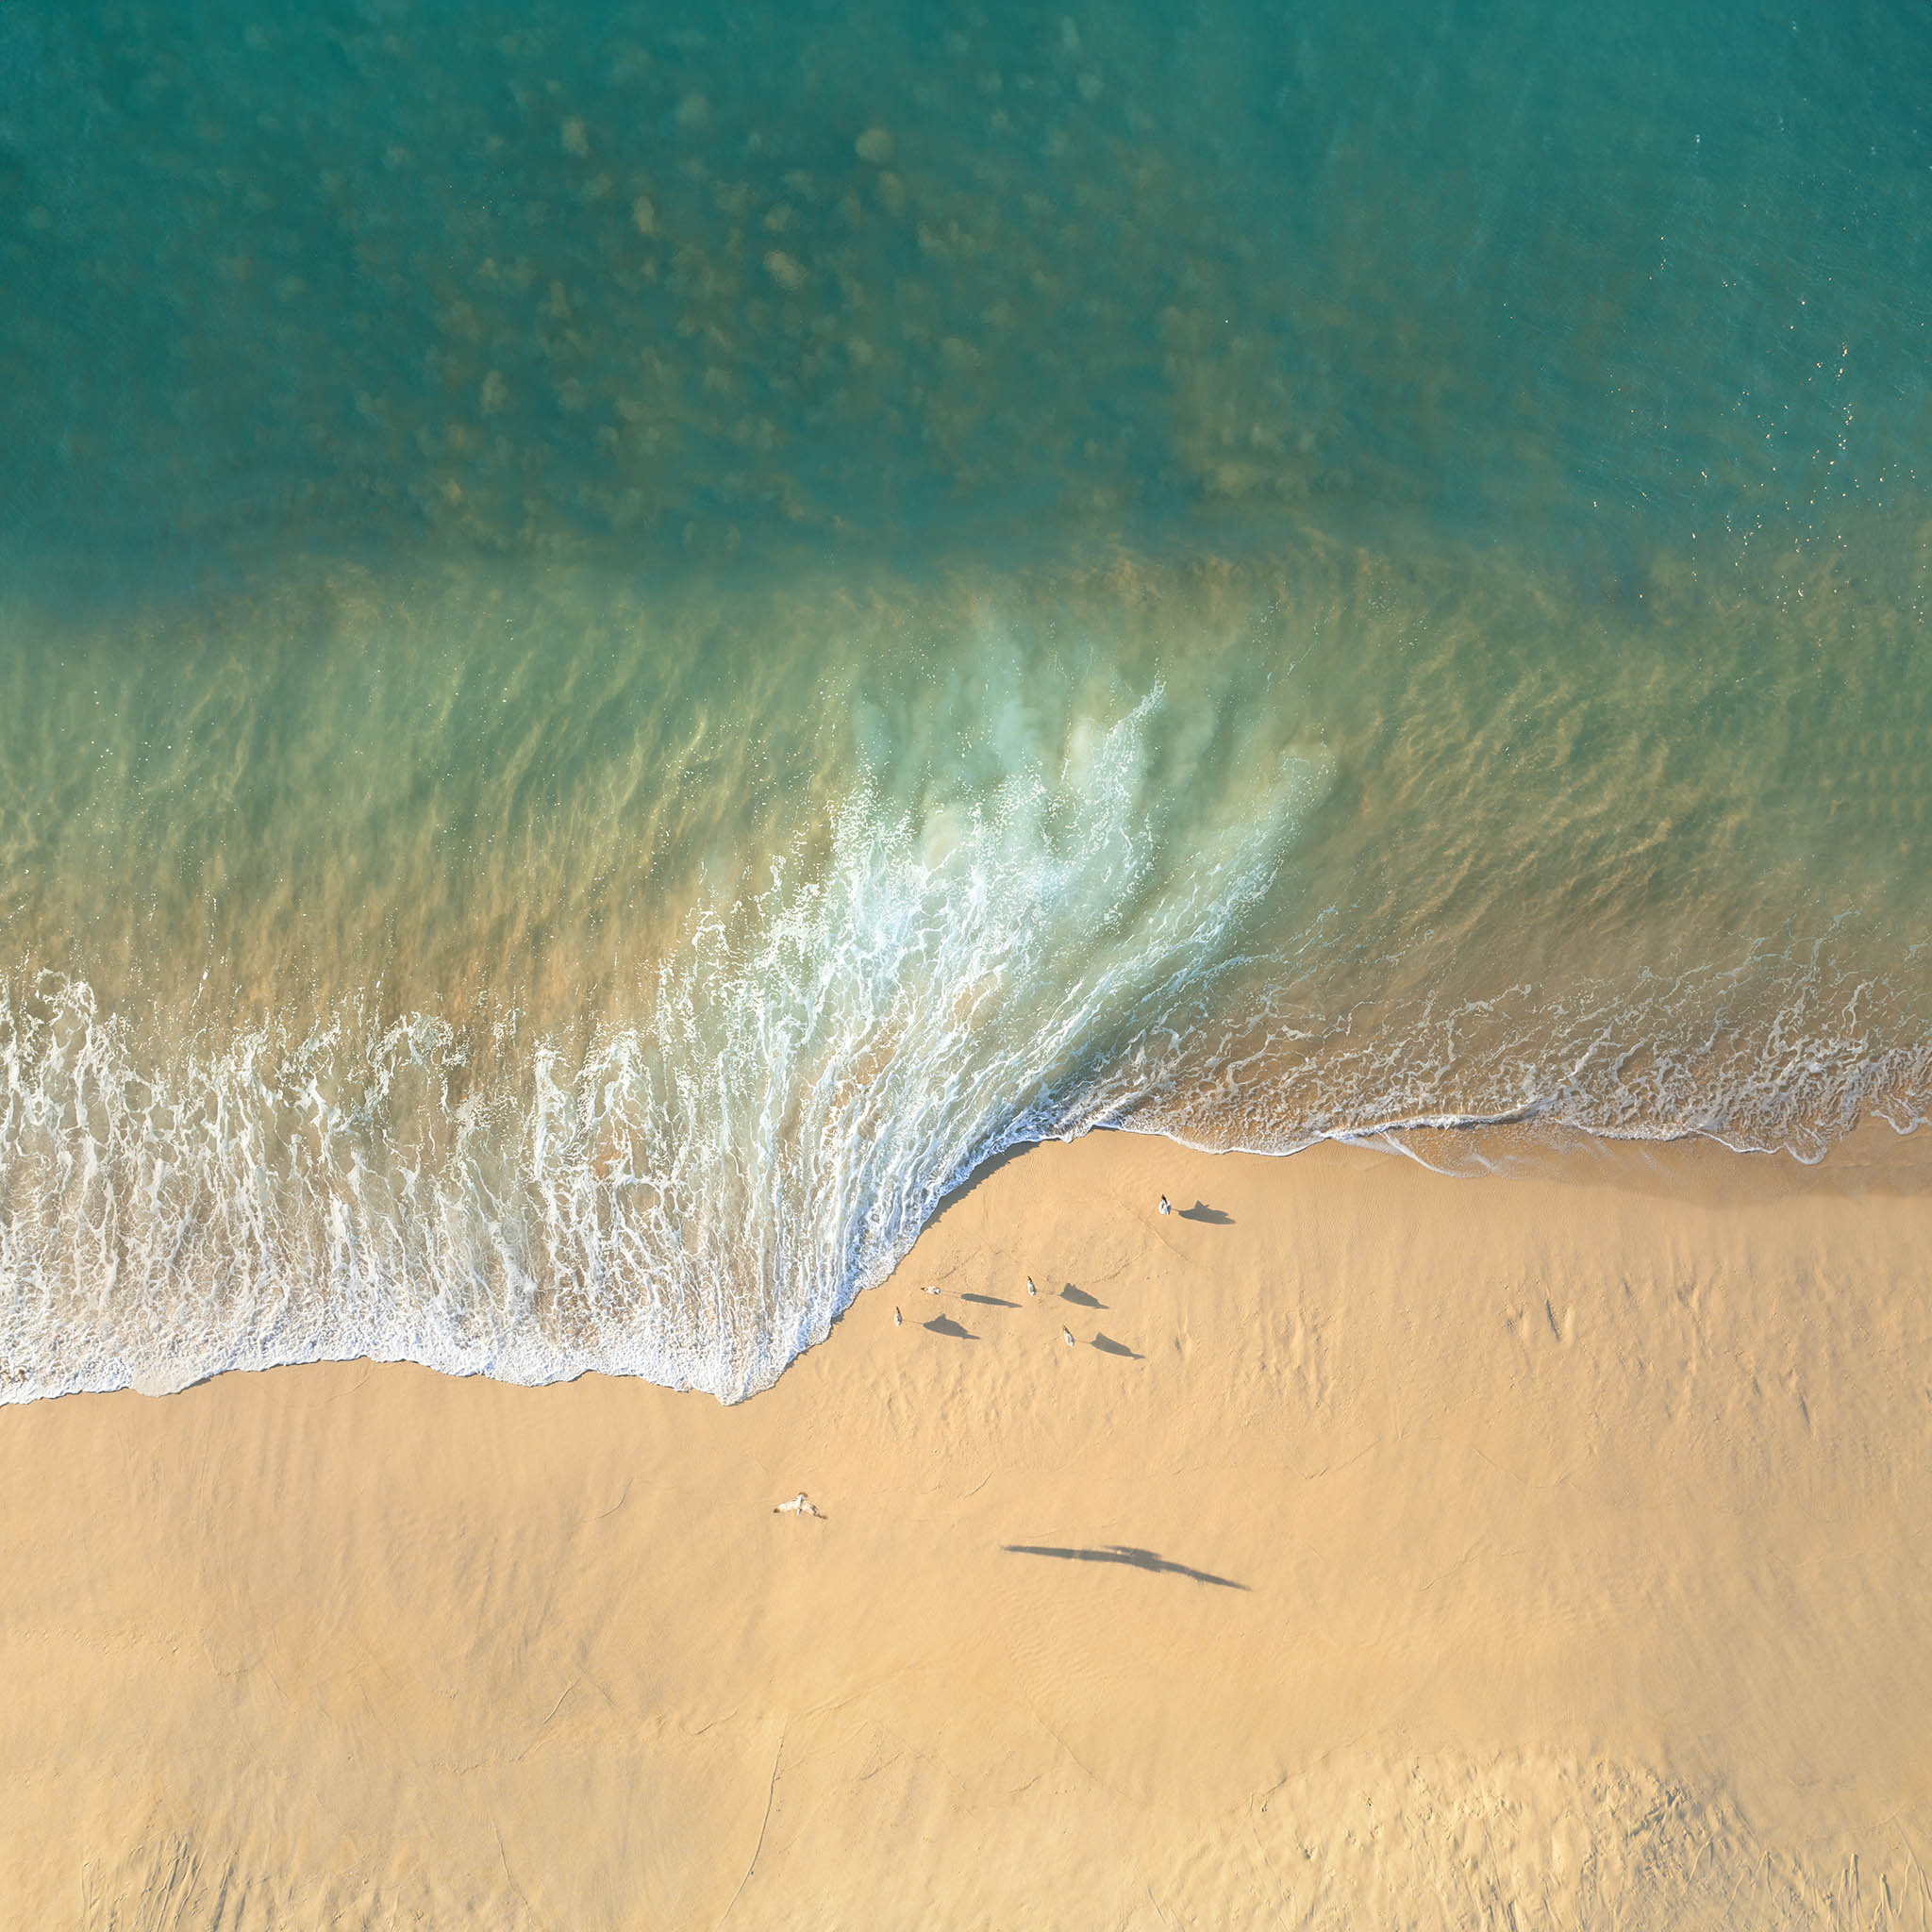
(1388, 1550)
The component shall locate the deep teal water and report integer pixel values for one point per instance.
(630, 637)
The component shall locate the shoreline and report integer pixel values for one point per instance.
(1385, 1544)
(1695, 1165)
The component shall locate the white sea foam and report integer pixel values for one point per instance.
(695, 1196)
(1014, 902)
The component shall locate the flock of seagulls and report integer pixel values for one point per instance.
(802, 1504)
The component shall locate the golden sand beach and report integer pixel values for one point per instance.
(1388, 1549)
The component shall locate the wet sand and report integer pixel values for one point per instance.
(1389, 1548)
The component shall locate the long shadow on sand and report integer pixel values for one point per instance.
(1108, 1346)
(1215, 1217)
(1123, 1552)
(944, 1325)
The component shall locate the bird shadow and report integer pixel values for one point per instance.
(989, 1301)
(1215, 1217)
(1108, 1346)
(1127, 1554)
(944, 1325)
(1071, 1294)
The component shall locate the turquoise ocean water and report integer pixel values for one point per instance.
(631, 636)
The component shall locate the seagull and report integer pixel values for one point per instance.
(1165, 1207)
(932, 1291)
(1030, 1288)
(1067, 1335)
(898, 1320)
(801, 1505)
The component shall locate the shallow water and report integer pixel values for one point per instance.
(625, 648)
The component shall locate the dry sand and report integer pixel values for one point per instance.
(1389, 1550)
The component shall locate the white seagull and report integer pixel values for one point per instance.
(1165, 1209)
(898, 1320)
(1067, 1335)
(931, 1290)
(1030, 1288)
(801, 1505)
